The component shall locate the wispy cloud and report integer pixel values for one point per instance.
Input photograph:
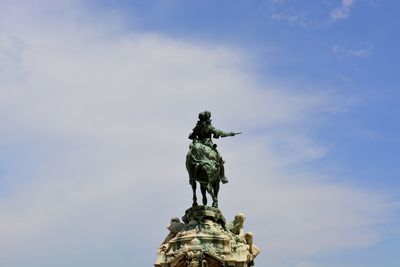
(342, 52)
(297, 19)
(361, 52)
(288, 12)
(343, 11)
(315, 15)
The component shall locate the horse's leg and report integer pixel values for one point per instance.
(211, 192)
(193, 183)
(216, 190)
(204, 194)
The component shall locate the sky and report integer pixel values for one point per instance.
(97, 99)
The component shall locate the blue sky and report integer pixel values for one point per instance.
(354, 56)
(94, 93)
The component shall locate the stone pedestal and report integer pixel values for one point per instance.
(205, 240)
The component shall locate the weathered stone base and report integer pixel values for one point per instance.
(203, 241)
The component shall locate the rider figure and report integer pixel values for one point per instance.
(203, 133)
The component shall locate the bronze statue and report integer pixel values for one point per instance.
(204, 238)
(203, 161)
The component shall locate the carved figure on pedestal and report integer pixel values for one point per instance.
(203, 161)
(236, 228)
(174, 228)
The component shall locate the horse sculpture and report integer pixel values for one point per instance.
(204, 166)
(203, 162)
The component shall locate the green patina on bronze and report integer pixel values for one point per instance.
(203, 161)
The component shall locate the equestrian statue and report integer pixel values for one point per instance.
(203, 161)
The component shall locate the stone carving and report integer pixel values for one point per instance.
(174, 227)
(236, 228)
(204, 240)
(203, 161)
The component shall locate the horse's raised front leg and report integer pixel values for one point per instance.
(204, 194)
(193, 183)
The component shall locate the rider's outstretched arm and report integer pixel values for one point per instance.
(218, 133)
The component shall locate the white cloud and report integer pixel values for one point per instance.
(282, 11)
(294, 19)
(104, 122)
(342, 52)
(361, 52)
(343, 11)
(318, 15)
